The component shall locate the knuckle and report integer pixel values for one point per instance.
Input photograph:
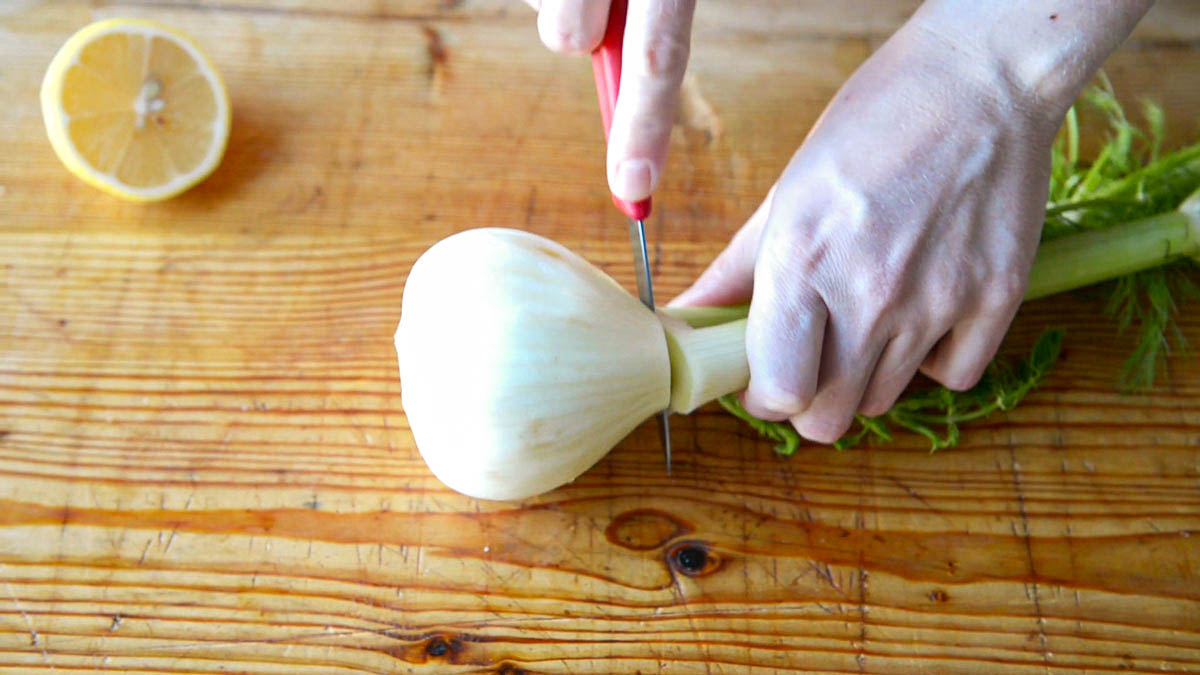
(564, 42)
(664, 56)
(879, 318)
(880, 305)
(943, 312)
(875, 289)
(871, 285)
(1004, 293)
(562, 39)
(779, 283)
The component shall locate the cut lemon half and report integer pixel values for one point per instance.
(135, 109)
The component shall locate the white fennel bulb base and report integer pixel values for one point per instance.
(522, 364)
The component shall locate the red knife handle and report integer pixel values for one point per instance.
(606, 66)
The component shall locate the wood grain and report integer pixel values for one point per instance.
(204, 465)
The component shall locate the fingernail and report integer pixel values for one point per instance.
(634, 180)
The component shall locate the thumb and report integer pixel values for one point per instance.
(729, 279)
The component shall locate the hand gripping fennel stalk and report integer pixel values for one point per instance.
(522, 364)
(709, 361)
(1129, 179)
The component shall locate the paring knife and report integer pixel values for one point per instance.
(606, 66)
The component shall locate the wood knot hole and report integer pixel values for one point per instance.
(437, 647)
(693, 559)
(938, 595)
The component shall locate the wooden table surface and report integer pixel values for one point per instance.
(204, 464)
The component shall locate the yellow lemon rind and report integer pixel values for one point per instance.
(56, 119)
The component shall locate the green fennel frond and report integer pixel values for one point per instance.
(935, 413)
(786, 438)
(1129, 179)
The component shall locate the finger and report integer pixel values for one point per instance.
(784, 335)
(963, 354)
(729, 279)
(654, 58)
(572, 26)
(846, 367)
(897, 365)
(783, 347)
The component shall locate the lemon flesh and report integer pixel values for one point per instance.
(135, 109)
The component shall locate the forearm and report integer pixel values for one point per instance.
(1042, 51)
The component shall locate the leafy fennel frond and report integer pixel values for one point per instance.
(935, 413)
(1128, 180)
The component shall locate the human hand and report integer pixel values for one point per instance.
(899, 237)
(655, 54)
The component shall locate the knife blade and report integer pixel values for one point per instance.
(645, 286)
(606, 66)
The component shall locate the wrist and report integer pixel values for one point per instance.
(1035, 55)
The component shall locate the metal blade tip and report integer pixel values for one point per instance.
(664, 428)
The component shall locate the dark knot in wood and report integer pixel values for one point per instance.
(693, 559)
